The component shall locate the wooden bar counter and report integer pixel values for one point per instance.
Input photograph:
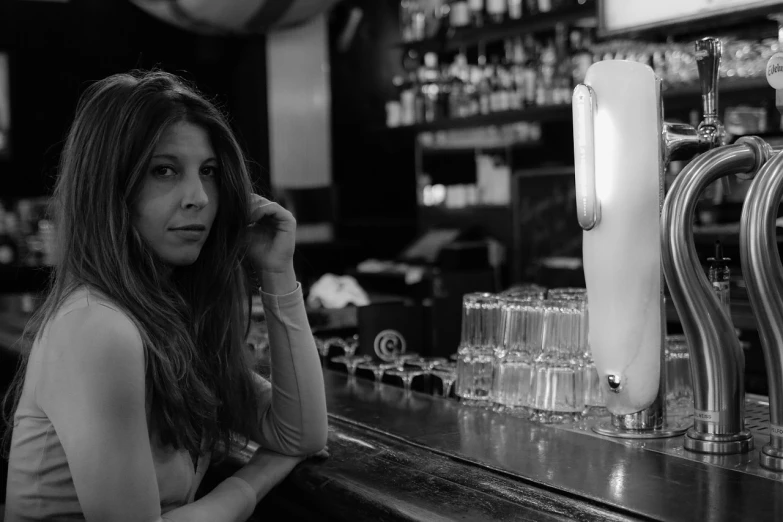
(418, 457)
(398, 456)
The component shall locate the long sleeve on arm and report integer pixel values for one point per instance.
(92, 388)
(294, 421)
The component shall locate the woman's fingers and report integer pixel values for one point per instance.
(261, 207)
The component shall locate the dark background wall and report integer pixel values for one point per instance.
(57, 49)
(373, 169)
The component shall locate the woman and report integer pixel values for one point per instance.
(138, 372)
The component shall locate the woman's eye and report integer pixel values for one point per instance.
(209, 171)
(162, 170)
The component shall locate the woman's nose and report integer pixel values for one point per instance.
(194, 194)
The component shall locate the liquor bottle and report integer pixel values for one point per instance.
(476, 12)
(531, 70)
(518, 71)
(428, 81)
(514, 9)
(719, 276)
(545, 88)
(459, 15)
(581, 55)
(544, 6)
(563, 69)
(457, 91)
(484, 91)
(531, 7)
(496, 9)
(510, 65)
(9, 252)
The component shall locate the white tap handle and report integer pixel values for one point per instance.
(622, 252)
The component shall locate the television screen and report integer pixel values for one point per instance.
(5, 106)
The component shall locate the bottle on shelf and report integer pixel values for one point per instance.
(563, 69)
(459, 14)
(545, 86)
(544, 6)
(9, 251)
(413, 21)
(515, 9)
(530, 70)
(476, 12)
(496, 10)
(531, 7)
(719, 275)
(581, 54)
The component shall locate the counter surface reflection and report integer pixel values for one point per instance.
(650, 480)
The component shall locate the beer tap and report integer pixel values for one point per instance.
(621, 149)
(717, 360)
(763, 275)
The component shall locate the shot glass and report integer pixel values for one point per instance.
(378, 369)
(351, 362)
(406, 375)
(447, 373)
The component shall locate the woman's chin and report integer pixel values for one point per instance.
(182, 259)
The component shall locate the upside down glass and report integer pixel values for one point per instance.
(558, 387)
(480, 322)
(519, 343)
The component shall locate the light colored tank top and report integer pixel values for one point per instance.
(40, 485)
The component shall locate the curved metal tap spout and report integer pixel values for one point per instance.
(764, 278)
(717, 360)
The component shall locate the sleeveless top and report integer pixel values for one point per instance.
(40, 485)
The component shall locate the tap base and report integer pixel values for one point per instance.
(771, 458)
(665, 430)
(713, 444)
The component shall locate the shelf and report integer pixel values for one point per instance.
(688, 95)
(478, 147)
(473, 209)
(541, 114)
(457, 38)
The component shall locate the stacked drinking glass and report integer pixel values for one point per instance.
(476, 352)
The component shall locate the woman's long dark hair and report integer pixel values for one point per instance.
(193, 323)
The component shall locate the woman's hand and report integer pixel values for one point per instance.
(272, 235)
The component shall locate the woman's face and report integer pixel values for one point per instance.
(178, 200)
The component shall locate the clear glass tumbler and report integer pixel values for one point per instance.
(476, 353)
(679, 386)
(519, 343)
(558, 387)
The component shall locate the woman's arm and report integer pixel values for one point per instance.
(92, 388)
(292, 413)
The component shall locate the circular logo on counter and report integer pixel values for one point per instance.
(389, 343)
(775, 71)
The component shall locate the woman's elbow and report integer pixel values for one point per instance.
(312, 441)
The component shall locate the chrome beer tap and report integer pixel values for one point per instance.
(717, 360)
(763, 275)
(621, 149)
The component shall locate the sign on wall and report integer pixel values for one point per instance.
(621, 16)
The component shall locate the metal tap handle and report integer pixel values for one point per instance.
(708, 53)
